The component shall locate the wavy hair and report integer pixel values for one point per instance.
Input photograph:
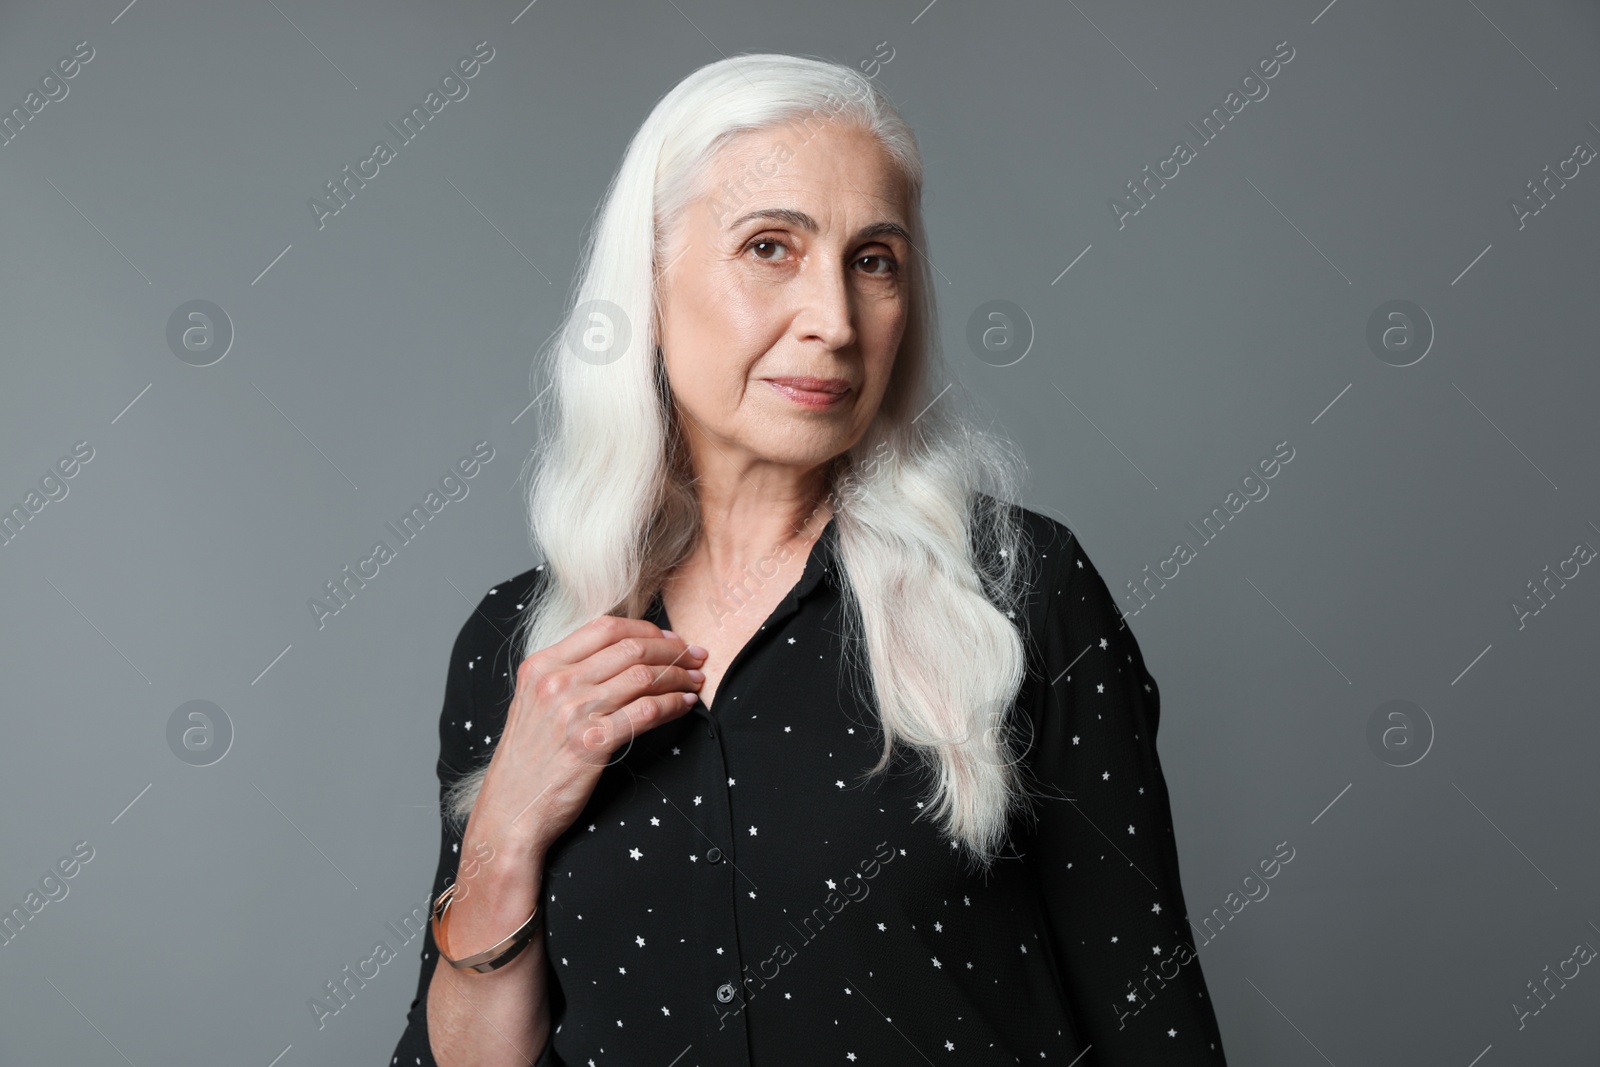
(935, 567)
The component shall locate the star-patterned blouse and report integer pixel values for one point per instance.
(737, 892)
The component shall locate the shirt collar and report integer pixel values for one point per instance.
(821, 565)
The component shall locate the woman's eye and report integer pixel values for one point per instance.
(772, 247)
(887, 263)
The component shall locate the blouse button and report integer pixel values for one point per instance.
(713, 855)
(724, 992)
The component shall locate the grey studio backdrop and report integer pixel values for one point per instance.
(1379, 262)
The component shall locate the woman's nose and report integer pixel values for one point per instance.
(826, 311)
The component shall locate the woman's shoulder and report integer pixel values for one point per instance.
(1043, 534)
(1048, 537)
(485, 643)
(1061, 578)
(1046, 541)
(503, 605)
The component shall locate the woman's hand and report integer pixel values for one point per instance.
(576, 704)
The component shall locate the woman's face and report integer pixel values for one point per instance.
(784, 296)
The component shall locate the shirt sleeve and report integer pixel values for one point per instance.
(455, 759)
(1102, 841)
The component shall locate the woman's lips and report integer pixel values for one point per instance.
(811, 392)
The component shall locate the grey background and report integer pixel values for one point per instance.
(1227, 316)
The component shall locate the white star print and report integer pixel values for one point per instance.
(795, 681)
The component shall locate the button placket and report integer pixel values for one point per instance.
(714, 903)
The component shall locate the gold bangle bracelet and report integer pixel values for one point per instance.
(491, 958)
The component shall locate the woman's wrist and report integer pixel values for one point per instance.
(489, 901)
(514, 833)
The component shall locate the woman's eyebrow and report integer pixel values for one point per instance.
(802, 221)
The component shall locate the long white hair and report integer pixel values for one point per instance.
(936, 567)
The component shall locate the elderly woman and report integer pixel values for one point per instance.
(803, 745)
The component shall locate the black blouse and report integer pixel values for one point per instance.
(737, 892)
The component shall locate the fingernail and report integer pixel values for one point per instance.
(697, 675)
(668, 633)
(697, 652)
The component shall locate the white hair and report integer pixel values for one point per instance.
(934, 565)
